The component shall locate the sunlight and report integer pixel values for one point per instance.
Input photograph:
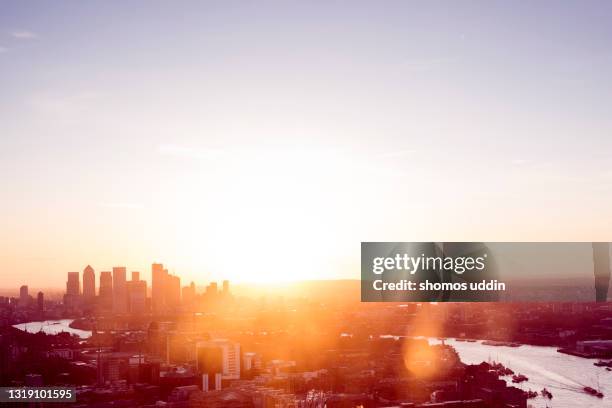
(257, 223)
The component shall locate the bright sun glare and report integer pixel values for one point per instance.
(262, 217)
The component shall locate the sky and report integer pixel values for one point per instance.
(263, 141)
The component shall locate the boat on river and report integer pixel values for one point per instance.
(592, 391)
(546, 394)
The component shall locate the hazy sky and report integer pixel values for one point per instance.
(265, 140)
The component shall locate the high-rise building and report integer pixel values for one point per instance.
(226, 287)
(73, 290)
(73, 285)
(158, 280)
(106, 290)
(188, 294)
(135, 276)
(89, 283)
(119, 290)
(211, 290)
(24, 297)
(173, 291)
(137, 296)
(40, 301)
(218, 356)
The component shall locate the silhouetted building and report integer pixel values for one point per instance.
(226, 287)
(137, 296)
(135, 276)
(73, 290)
(188, 294)
(173, 291)
(211, 290)
(218, 356)
(119, 290)
(40, 301)
(73, 285)
(89, 283)
(601, 269)
(158, 279)
(106, 290)
(24, 297)
(209, 363)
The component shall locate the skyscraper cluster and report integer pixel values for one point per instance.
(115, 294)
(119, 295)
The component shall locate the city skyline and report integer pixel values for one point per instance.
(90, 282)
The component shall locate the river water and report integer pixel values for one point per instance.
(563, 375)
(52, 327)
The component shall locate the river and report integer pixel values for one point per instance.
(561, 374)
(52, 327)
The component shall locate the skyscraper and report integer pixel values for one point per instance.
(106, 290)
(211, 290)
(226, 287)
(158, 279)
(89, 283)
(73, 285)
(188, 294)
(172, 291)
(40, 300)
(218, 356)
(24, 297)
(119, 290)
(137, 296)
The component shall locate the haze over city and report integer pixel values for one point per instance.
(265, 142)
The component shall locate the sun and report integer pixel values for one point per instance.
(259, 220)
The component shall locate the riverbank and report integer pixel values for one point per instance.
(563, 374)
(53, 327)
(82, 324)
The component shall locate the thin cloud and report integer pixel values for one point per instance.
(397, 154)
(519, 162)
(3, 50)
(425, 64)
(125, 206)
(189, 152)
(64, 106)
(24, 35)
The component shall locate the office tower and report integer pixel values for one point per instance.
(211, 290)
(135, 276)
(40, 301)
(188, 294)
(225, 287)
(24, 297)
(137, 296)
(119, 290)
(601, 269)
(173, 291)
(73, 285)
(106, 290)
(218, 356)
(209, 362)
(89, 283)
(158, 279)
